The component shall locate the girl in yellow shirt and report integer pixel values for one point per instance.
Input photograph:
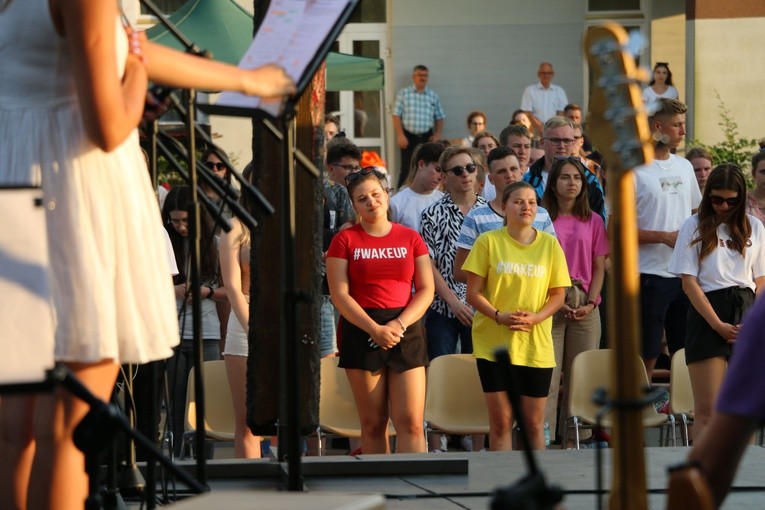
(516, 281)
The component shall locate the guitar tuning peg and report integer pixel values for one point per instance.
(637, 43)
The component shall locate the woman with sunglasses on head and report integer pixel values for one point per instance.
(516, 279)
(582, 235)
(660, 86)
(371, 270)
(175, 216)
(720, 256)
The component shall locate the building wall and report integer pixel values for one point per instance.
(482, 57)
(667, 31)
(726, 55)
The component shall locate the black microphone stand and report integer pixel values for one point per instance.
(532, 491)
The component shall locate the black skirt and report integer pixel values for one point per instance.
(701, 341)
(356, 351)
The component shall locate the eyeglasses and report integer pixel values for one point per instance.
(718, 200)
(348, 168)
(179, 223)
(459, 170)
(559, 141)
(477, 123)
(362, 173)
(215, 166)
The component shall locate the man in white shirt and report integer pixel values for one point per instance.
(666, 193)
(543, 100)
(407, 205)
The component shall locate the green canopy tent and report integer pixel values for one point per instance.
(224, 28)
(351, 72)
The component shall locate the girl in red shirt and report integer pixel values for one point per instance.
(371, 269)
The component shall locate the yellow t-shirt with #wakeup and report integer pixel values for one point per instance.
(517, 277)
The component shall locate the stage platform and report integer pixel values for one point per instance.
(345, 481)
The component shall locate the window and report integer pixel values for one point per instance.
(369, 11)
(613, 5)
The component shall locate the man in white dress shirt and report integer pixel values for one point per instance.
(543, 100)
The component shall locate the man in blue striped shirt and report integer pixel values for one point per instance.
(504, 169)
(418, 117)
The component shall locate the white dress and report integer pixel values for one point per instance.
(110, 280)
(651, 98)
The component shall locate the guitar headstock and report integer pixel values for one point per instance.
(617, 121)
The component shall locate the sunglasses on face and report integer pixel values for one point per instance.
(459, 170)
(718, 200)
(215, 166)
(363, 173)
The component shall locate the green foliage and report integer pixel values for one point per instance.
(733, 148)
(166, 172)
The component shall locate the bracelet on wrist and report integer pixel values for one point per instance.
(496, 316)
(211, 294)
(402, 325)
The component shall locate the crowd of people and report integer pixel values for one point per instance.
(516, 231)
(460, 257)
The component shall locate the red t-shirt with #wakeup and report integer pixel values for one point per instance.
(380, 269)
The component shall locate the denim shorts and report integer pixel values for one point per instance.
(328, 339)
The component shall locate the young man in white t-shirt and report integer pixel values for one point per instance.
(407, 205)
(666, 194)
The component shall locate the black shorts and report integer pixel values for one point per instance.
(357, 352)
(702, 342)
(532, 382)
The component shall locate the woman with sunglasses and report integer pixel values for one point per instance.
(371, 270)
(720, 256)
(175, 216)
(582, 235)
(214, 161)
(516, 278)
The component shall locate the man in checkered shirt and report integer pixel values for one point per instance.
(418, 117)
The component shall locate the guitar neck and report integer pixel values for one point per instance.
(618, 126)
(628, 491)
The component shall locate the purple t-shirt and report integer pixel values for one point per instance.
(741, 393)
(582, 242)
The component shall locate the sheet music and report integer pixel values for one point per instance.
(290, 36)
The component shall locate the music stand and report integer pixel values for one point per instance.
(317, 34)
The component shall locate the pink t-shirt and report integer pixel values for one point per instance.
(380, 269)
(582, 242)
